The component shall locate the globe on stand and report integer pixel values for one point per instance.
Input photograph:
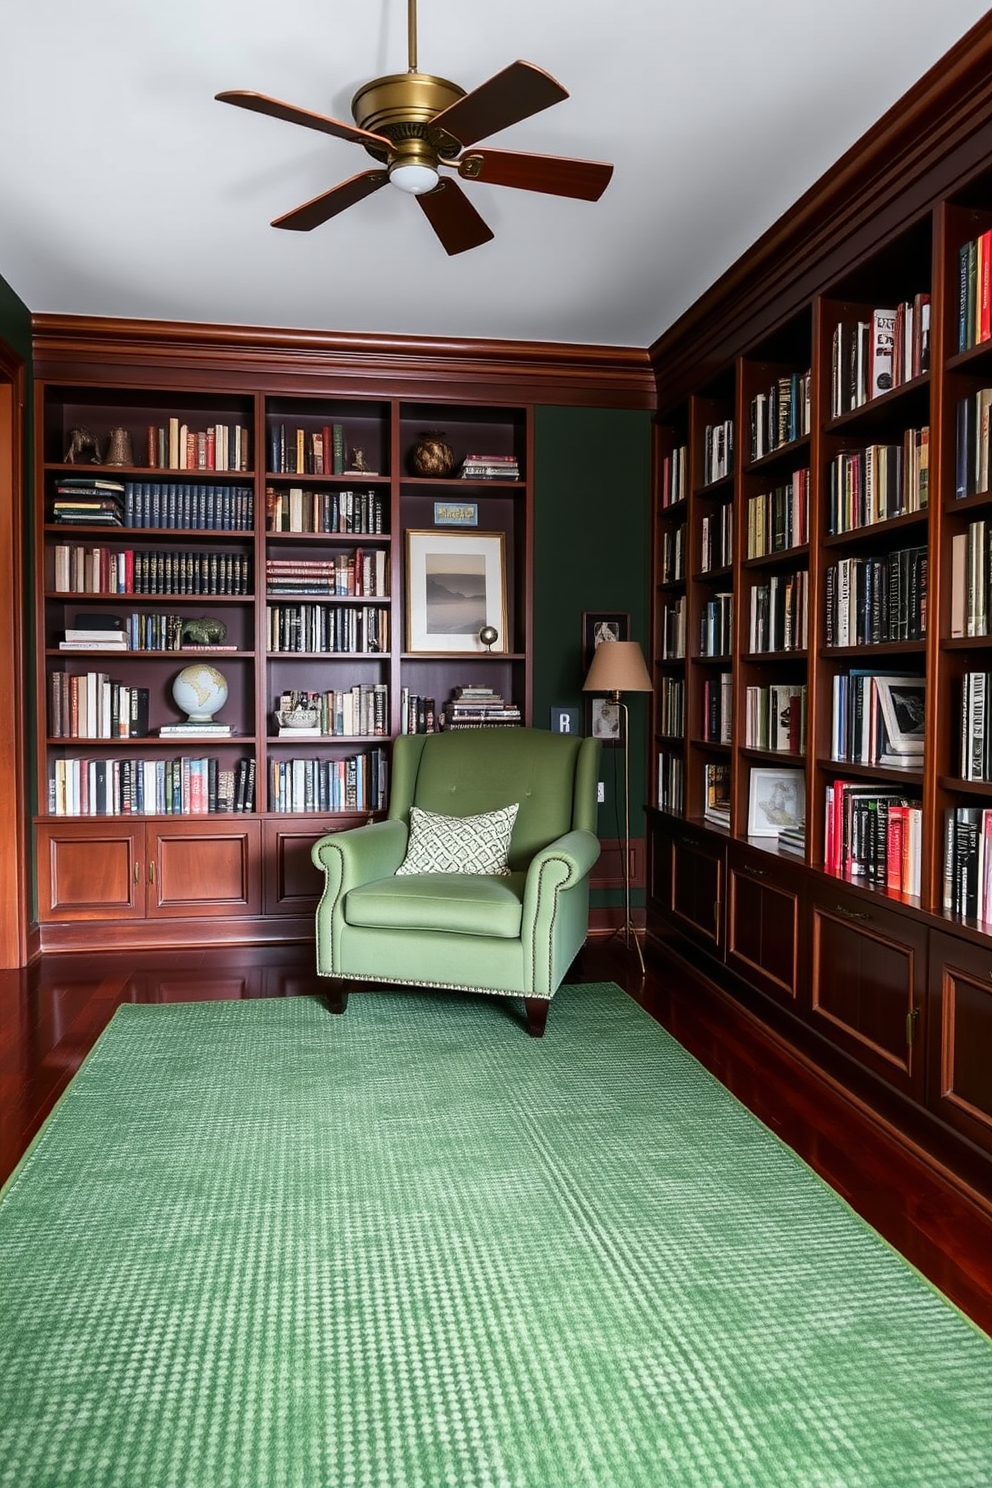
(489, 635)
(200, 691)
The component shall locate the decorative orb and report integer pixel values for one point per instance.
(432, 455)
(489, 635)
(200, 691)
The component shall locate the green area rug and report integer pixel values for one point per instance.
(259, 1246)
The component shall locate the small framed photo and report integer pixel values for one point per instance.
(903, 704)
(599, 626)
(776, 800)
(455, 585)
(456, 514)
(605, 720)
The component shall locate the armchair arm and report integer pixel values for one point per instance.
(361, 854)
(554, 919)
(357, 856)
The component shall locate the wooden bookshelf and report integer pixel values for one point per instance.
(883, 978)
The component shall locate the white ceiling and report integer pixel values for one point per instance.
(126, 190)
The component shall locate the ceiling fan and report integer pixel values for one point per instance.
(414, 124)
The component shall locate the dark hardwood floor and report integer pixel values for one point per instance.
(52, 1013)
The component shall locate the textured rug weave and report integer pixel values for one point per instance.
(259, 1246)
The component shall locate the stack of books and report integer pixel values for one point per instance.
(189, 730)
(793, 840)
(94, 637)
(490, 467)
(479, 707)
(716, 806)
(86, 499)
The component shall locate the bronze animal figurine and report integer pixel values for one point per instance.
(204, 632)
(82, 442)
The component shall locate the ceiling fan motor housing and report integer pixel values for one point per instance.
(402, 106)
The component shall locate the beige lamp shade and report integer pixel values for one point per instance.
(618, 666)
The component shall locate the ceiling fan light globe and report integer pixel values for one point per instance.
(413, 178)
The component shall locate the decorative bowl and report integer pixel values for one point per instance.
(299, 718)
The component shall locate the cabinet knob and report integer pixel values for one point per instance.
(754, 872)
(151, 873)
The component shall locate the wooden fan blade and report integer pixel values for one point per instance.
(557, 175)
(329, 203)
(516, 93)
(260, 104)
(453, 218)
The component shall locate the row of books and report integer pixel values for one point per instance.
(779, 519)
(674, 476)
(780, 415)
(361, 574)
(875, 599)
(879, 719)
(330, 628)
(717, 539)
(176, 446)
(93, 705)
(967, 876)
(718, 708)
(356, 783)
(316, 451)
(775, 717)
(779, 613)
(99, 570)
(670, 695)
(976, 726)
(874, 834)
(972, 425)
(490, 467)
(671, 783)
(186, 786)
(673, 550)
(971, 580)
(296, 509)
(476, 706)
(974, 299)
(716, 626)
(418, 714)
(716, 794)
(361, 710)
(879, 482)
(870, 357)
(671, 630)
(188, 505)
(718, 451)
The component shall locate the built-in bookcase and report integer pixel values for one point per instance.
(852, 349)
(284, 518)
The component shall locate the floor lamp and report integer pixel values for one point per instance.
(618, 667)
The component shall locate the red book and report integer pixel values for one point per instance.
(895, 847)
(984, 327)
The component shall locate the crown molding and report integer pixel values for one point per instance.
(132, 352)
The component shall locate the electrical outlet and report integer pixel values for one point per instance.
(600, 792)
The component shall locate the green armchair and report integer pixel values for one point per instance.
(514, 932)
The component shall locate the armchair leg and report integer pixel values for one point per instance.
(536, 1009)
(337, 998)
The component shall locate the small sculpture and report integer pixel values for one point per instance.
(359, 462)
(119, 450)
(204, 632)
(82, 442)
(432, 455)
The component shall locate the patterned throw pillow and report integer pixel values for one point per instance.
(459, 844)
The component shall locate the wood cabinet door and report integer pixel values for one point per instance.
(697, 888)
(203, 868)
(291, 883)
(959, 1087)
(90, 870)
(764, 923)
(868, 984)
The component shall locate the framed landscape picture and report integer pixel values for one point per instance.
(455, 585)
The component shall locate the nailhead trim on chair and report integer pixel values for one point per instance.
(354, 976)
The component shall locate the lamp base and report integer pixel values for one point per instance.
(630, 938)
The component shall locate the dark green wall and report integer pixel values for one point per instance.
(15, 322)
(591, 552)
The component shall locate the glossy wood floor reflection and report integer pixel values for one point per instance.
(52, 1013)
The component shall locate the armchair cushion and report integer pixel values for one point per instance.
(448, 903)
(458, 844)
